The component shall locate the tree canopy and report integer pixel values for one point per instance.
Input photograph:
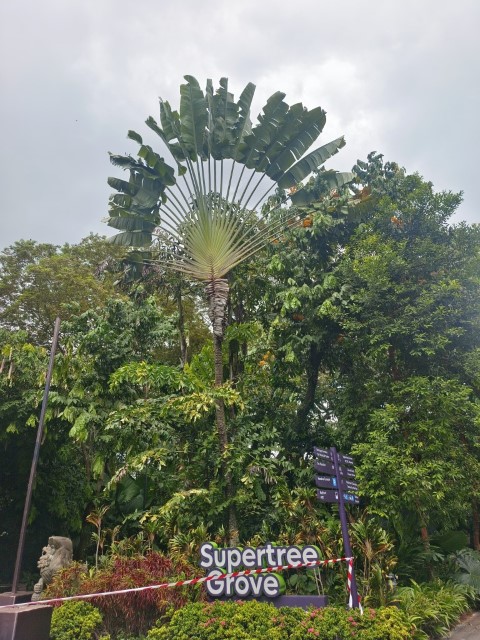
(357, 325)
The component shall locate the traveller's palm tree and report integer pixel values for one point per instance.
(205, 206)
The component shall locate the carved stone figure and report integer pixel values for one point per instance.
(55, 556)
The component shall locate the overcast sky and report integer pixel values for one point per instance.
(397, 76)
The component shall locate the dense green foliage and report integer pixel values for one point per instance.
(434, 607)
(420, 612)
(76, 621)
(256, 621)
(357, 325)
(40, 281)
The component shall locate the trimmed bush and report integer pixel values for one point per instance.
(331, 623)
(77, 621)
(254, 620)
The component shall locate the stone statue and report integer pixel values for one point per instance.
(55, 556)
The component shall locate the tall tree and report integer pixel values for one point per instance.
(409, 329)
(206, 208)
(303, 289)
(419, 455)
(40, 281)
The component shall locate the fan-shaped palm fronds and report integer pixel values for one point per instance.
(225, 169)
(206, 207)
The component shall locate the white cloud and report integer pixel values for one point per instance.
(397, 77)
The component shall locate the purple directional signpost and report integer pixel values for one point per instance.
(336, 484)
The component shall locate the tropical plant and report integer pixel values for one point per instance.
(468, 569)
(129, 612)
(375, 559)
(95, 517)
(205, 210)
(434, 607)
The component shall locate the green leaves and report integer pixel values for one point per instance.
(310, 163)
(133, 135)
(193, 117)
(207, 213)
(222, 121)
(419, 442)
(244, 124)
(138, 463)
(199, 404)
(300, 131)
(154, 377)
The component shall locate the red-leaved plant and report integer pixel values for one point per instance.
(133, 613)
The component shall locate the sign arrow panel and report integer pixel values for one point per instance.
(330, 495)
(330, 482)
(345, 459)
(327, 467)
(324, 467)
(327, 495)
(322, 453)
(326, 482)
(346, 471)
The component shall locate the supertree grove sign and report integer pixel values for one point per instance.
(217, 561)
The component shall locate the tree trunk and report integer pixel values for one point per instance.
(392, 359)
(476, 526)
(181, 327)
(220, 408)
(223, 442)
(308, 402)
(425, 537)
(423, 523)
(217, 292)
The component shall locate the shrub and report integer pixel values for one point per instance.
(331, 623)
(254, 620)
(433, 607)
(68, 581)
(467, 563)
(219, 620)
(132, 613)
(76, 621)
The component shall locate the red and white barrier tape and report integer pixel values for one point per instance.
(183, 583)
(349, 586)
(349, 582)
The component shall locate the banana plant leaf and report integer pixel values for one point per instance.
(203, 204)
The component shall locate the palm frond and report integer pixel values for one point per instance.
(227, 168)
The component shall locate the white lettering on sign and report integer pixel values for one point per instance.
(218, 561)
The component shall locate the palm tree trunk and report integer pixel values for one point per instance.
(220, 406)
(217, 292)
(181, 327)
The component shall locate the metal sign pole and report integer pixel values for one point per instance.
(343, 521)
(36, 453)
